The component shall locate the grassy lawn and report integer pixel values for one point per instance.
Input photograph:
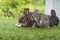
(8, 31)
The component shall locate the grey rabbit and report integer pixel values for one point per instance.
(39, 19)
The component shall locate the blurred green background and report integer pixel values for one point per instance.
(13, 8)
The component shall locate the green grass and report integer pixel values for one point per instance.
(8, 31)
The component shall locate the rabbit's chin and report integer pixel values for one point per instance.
(18, 25)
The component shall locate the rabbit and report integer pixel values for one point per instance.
(39, 19)
(23, 19)
(54, 20)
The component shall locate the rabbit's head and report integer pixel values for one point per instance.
(53, 12)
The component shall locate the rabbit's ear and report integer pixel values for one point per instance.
(53, 13)
(26, 11)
